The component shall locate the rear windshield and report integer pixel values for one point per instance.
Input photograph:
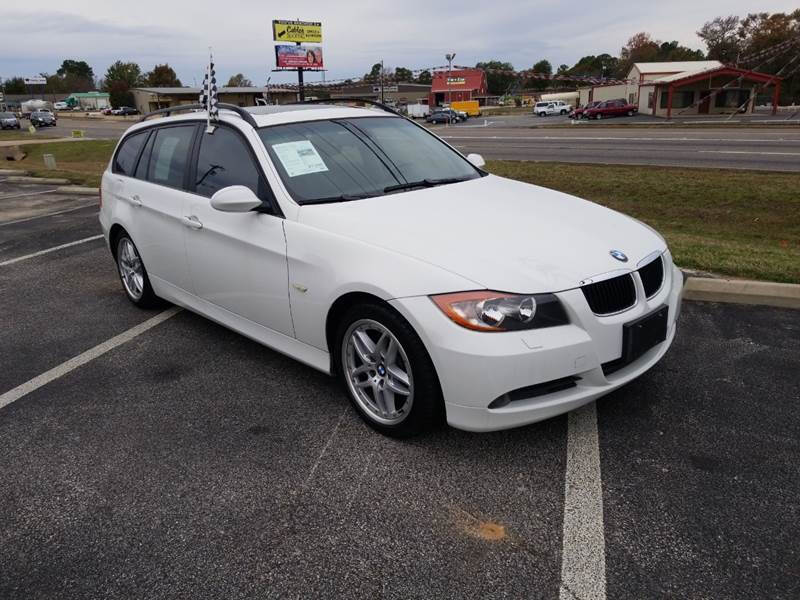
(348, 159)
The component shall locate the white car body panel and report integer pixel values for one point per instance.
(550, 241)
(275, 279)
(237, 261)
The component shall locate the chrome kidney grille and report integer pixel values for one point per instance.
(618, 294)
(611, 295)
(652, 276)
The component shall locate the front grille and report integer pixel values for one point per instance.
(652, 275)
(611, 295)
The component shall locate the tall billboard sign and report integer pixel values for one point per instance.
(297, 31)
(298, 57)
(305, 57)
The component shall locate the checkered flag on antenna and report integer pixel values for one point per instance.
(208, 93)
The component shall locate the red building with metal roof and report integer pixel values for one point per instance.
(457, 85)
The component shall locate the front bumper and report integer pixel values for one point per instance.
(475, 368)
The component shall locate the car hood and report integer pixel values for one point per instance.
(499, 233)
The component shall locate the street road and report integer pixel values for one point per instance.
(154, 454)
(760, 148)
(526, 137)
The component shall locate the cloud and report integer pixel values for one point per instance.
(413, 34)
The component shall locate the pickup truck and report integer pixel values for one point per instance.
(553, 107)
(611, 108)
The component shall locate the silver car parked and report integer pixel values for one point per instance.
(9, 121)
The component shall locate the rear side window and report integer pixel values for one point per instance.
(125, 161)
(170, 155)
(225, 160)
(144, 161)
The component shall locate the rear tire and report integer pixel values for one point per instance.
(598, 116)
(630, 113)
(133, 274)
(387, 372)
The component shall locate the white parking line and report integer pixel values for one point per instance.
(583, 555)
(24, 194)
(52, 214)
(53, 249)
(73, 363)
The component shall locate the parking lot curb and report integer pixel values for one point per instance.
(47, 180)
(78, 190)
(4, 172)
(742, 291)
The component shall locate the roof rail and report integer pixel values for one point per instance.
(184, 107)
(352, 99)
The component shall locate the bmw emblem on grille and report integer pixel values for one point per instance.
(620, 256)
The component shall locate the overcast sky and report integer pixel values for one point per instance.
(408, 33)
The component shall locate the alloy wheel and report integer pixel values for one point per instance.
(131, 270)
(378, 372)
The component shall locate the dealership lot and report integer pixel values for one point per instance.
(98, 128)
(189, 461)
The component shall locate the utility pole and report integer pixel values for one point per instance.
(268, 80)
(382, 98)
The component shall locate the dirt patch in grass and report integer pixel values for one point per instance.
(731, 222)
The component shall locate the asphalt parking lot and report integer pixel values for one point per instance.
(186, 461)
(92, 128)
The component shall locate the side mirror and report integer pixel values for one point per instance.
(476, 159)
(236, 199)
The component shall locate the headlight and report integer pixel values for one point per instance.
(498, 311)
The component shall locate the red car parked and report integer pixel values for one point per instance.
(578, 112)
(611, 108)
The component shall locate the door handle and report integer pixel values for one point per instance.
(192, 221)
(136, 201)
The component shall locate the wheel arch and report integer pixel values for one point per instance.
(113, 237)
(340, 306)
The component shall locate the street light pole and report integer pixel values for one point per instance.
(449, 58)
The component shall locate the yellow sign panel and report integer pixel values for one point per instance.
(297, 31)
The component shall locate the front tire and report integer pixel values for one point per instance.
(133, 275)
(389, 376)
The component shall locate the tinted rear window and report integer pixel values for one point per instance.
(125, 161)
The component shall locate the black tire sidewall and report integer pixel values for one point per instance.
(427, 410)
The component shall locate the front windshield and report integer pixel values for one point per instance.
(348, 159)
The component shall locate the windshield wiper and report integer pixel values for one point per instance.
(339, 198)
(423, 183)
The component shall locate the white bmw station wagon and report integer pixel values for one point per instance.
(362, 245)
